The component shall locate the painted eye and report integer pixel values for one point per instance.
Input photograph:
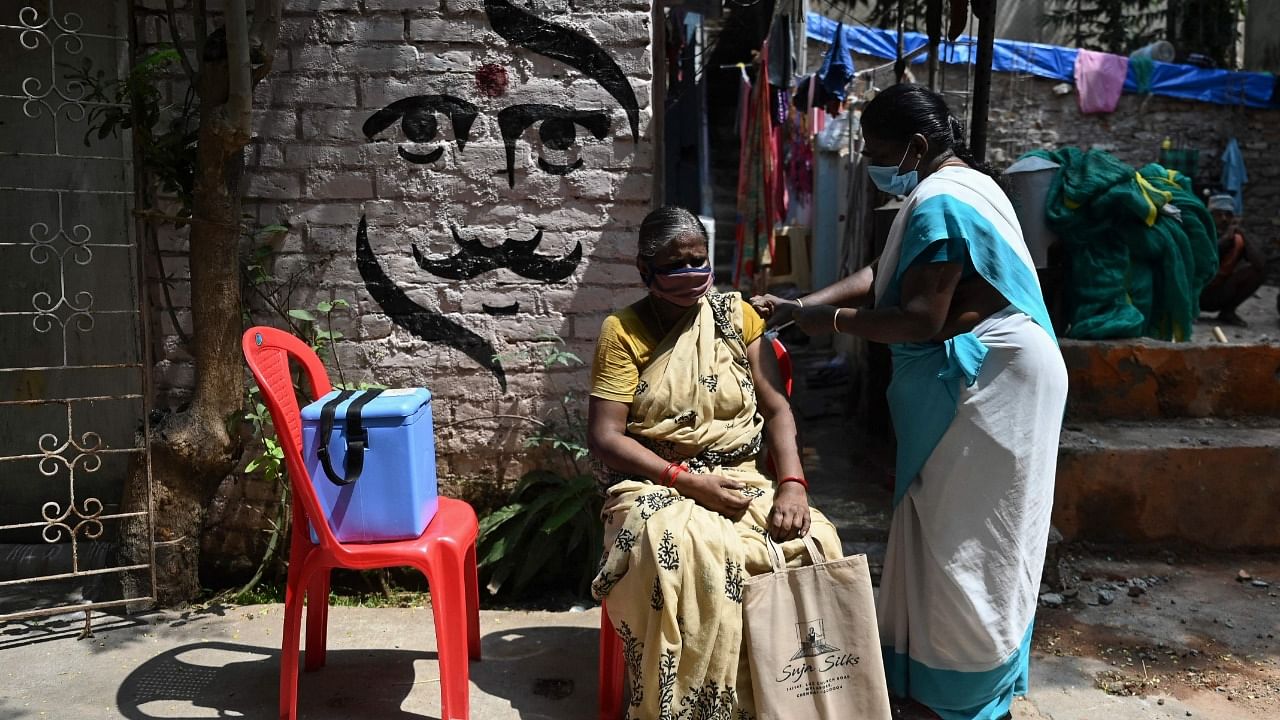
(557, 130)
(418, 117)
(558, 133)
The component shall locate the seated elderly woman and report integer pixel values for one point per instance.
(685, 392)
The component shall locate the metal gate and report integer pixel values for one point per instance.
(73, 377)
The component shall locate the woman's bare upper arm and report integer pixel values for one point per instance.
(606, 417)
(770, 394)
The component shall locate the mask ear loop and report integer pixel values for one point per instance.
(904, 158)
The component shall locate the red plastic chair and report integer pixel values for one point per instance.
(446, 551)
(613, 669)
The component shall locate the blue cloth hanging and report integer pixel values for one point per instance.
(1234, 176)
(837, 67)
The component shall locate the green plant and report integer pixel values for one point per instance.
(266, 458)
(319, 334)
(270, 462)
(550, 529)
(564, 433)
(165, 137)
(164, 133)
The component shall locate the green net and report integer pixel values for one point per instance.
(1134, 267)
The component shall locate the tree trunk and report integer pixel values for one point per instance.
(194, 449)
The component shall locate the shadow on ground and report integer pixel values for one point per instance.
(239, 680)
(529, 672)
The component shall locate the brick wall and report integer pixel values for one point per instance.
(578, 174)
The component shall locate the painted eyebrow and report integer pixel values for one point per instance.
(461, 114)
(567, 45)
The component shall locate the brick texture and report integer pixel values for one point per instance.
(312, 168)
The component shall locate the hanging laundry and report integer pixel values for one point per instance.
(808, 91)
(758, 180)
(1099, 80)
(1143, 70)
(1234, 176)
(959, 18)
(836, 72)
(799, 169)
(779, 60)
(781, 192)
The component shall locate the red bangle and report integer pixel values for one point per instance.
(799, 480)
(669, 473)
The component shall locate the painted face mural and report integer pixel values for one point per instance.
(425, 121)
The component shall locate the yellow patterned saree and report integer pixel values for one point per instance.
(673, 571)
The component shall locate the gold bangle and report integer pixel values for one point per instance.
(835, 320)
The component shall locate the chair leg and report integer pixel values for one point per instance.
(446, 575)
(613, 669)
(317, 621)
(293, 596)
(473, 603)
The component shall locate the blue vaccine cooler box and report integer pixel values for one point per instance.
(384, 440)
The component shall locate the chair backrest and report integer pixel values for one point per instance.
(268, 352)
(784, 364)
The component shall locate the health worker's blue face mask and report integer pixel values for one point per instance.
(889, 180)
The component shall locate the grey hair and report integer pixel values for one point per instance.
(660, 227)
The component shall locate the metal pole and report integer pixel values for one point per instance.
(985, 12)
(800, 36)
(933, 23)
(658, 120)
(900, 67)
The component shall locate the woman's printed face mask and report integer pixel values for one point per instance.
(889, 178)
(682, 286)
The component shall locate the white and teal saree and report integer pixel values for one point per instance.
(977, 419)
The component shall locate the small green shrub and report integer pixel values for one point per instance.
(549, 534)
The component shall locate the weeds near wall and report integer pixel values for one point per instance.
(549, 534)
(266, 456)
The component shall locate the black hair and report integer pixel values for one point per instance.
(665, 224)
(903, 110)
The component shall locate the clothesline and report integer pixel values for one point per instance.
(869, 71)
(1186, 82)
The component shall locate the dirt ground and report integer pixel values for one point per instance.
(1259, 311)
(1199, 628)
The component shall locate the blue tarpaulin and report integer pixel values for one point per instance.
(1186, 82)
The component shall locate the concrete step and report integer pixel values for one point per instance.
(1151, 380)
(1213, 483)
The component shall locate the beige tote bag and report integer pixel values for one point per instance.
(813, 642)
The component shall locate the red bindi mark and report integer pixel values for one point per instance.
(491, 80)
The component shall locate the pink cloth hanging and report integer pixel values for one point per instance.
(1099, 80)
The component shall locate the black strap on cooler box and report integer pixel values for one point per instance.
(357, 437)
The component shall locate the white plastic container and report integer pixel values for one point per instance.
(1027, 182)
